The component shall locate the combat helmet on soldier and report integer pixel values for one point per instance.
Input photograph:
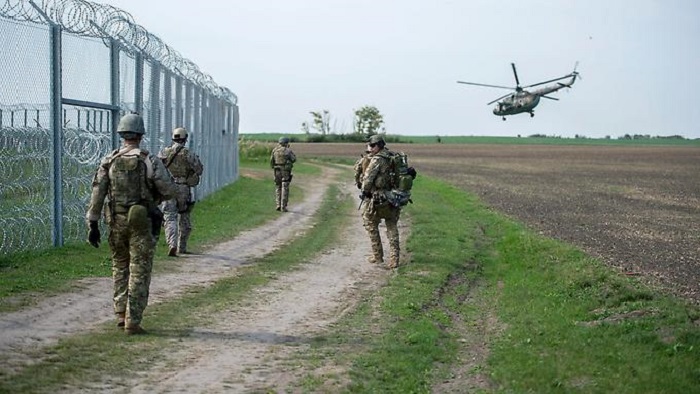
(180, 134)
(284, 141)
(131, 125)
(377, 139)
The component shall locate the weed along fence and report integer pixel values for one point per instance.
(70, 69)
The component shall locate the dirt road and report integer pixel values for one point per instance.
(235, 353)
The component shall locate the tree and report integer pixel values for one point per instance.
(322, 121)
(305, 127)
(368, 120)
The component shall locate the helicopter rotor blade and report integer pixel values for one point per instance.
(502, 97)
(517, 81)
(488, 86)
(551, 98)
(551, 80)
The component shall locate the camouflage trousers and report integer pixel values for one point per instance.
(282, 179)
(132, 262)
(372, 215)
(176, 219)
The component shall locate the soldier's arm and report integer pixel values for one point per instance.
(198, 166)
(194, 162)
(100, 188)
(163, 154)
(370, 175)
(163, 181)
(291, 156)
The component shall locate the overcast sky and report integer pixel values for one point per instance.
(639, 61)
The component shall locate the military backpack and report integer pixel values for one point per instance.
(402, 177)
(128, 181)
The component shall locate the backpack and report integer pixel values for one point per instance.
(127, 176)
(179, 165)
(402, 180)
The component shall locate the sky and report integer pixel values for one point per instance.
(638, 59)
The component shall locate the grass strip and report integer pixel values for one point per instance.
(562, 321)
(81, 360)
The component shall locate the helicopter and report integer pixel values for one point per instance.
(525, 101)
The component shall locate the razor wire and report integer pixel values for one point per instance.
(90, 19)
(27, 137)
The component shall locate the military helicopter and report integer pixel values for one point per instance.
(522, 100)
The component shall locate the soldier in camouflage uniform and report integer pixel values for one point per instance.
(133, 182)
(376, 182)
(282, 160)
(186, 169)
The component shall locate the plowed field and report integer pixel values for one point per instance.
(635, 208)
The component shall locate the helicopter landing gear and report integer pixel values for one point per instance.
(504, 118)
(532, 114)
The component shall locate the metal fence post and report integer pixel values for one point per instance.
(114, 89)
(57, 126)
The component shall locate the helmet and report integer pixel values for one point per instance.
(284, 140)
(131, 123)
(376, 139)
(180, 133)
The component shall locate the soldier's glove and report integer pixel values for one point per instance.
(366, 195)
(94, 234)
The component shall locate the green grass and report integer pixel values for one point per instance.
(544, 303)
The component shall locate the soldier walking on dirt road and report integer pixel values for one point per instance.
(376, 182)
(186, 169)
(281, 161)
(133, 182)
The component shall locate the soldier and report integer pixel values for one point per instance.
(186, 169)
(282, 160)
(134, 182)
(376, 182)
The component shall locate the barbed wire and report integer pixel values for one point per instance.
(104, 21)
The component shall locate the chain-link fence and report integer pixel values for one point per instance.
(69, 70)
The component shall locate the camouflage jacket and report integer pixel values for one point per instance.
(283, 157)
(360, 167)
(182, 163)
(377, 176)
(158, 180)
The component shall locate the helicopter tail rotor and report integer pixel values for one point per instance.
(575, 73)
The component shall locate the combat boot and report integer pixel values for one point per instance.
(121, 317)
(172, 252)
(134, 330)
(375, 260)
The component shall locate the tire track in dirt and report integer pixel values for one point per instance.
(90, 305)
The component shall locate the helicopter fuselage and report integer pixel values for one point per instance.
(517, 103)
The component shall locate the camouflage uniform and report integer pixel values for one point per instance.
(186, 168)
(281, 161)
(360, 167)
(131, 239)
(376, 181)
